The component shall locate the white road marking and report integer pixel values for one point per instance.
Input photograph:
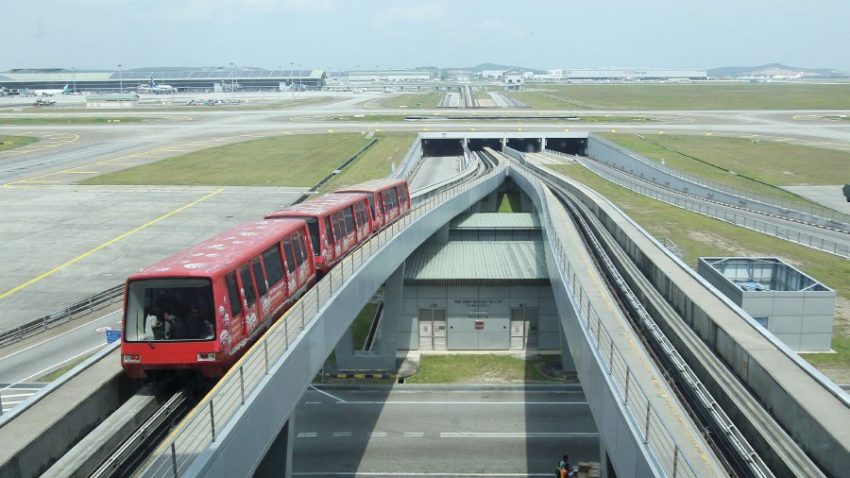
(54, 366)
(377, 473)
(518, 435)
(307, 435)
(328, 395)
(377, 434)
(425, 402)
(341, 434)
(57, 336)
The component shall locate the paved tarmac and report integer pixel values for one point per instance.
(436, 433)
(830, 196)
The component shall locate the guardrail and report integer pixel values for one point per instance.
(818, 211)
(71, 312)
(653, 430)
(214, 412)
(722, 213)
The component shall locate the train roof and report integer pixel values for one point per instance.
(373, 185)
(221, 253)
(319, 206)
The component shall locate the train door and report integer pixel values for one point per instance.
(350, 227)
(291, 267)
(339, 237)
(233, 324)
(390, 204)
(249, 301)
(375, 208)
(330, 243)
(403, 198)
(301, 257)
(362, 220)
(264, 307)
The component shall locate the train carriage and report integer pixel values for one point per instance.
(338, 223)
(389, 199)
(202, 308)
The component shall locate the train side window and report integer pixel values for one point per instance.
(337, 228)
(290, 259)
(349, 220)
(329, 230)
(313, 225)
(372, 203)
(233, 294)
(402, 193)
(393, 197)
(260, 276)
(248, 286)
(296, 246)
(273, 265)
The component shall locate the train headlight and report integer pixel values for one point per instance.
(132, 358)
(207, 357)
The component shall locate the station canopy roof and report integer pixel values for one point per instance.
(474, 262)
(158, 73)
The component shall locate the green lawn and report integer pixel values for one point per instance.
(699, 235)
(362, 323)
(290, 160)
(376, 162)
(414, 100)
(75, 120)
(49, 377)
(509, 202)
(695, 96)
(757, 166)
(9, 142)
(477, 369)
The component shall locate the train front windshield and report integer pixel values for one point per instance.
(169, 310)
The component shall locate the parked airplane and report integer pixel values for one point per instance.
(153, 87)
(64, 91)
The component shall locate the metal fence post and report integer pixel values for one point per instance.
(265, 356)
(174, 460)
(212, 419)
(242, 383)
(646, 427)
(675, 461)
(626, 393)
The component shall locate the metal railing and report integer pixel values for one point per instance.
(71, 312)
(212, 414)
(722, 213)
(653, 430)
(820, 211)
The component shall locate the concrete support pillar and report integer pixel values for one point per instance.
(606, 467)
(542, 144)
(504, 143)
(442, 236)
(393, 295)
(344, 351)
(525, 202)
(278, 460)
(567, 363)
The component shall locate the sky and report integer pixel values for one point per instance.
(369, 34)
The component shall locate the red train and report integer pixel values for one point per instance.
(201, 309)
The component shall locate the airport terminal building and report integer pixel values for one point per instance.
(183, 79)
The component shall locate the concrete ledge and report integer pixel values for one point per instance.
(42, 434)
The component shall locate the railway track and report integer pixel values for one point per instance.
(748, 438)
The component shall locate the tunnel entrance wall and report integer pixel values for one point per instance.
(568, 145)
(442, 147)
(526, 145)
(478, 144)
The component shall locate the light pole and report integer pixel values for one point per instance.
(74, 79)
(292, 80)
(120, 79)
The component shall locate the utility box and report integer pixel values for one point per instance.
(795, 308)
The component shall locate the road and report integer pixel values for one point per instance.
(419, 432)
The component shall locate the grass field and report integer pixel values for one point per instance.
(686, 96)
(9, 142)
(293, 160)
(49, 377)
(76, 120)
(471, 118)
(479, 369)
(758, 166)
(699, 235)
(509, 202)
(376, 162)
(414, 100)
(362, 323)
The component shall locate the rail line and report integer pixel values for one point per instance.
(753, 444)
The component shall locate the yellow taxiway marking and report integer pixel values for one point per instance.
(52, 141)
(709, 133)
(330, 130)
(105, 245)
(35, 181)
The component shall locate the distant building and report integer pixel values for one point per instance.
(188, 78)
(494, 75)
(630, 74)
(390, 76)
(795, 308)
(112, 101)
(513, 79)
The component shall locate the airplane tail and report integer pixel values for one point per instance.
(66, 90)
